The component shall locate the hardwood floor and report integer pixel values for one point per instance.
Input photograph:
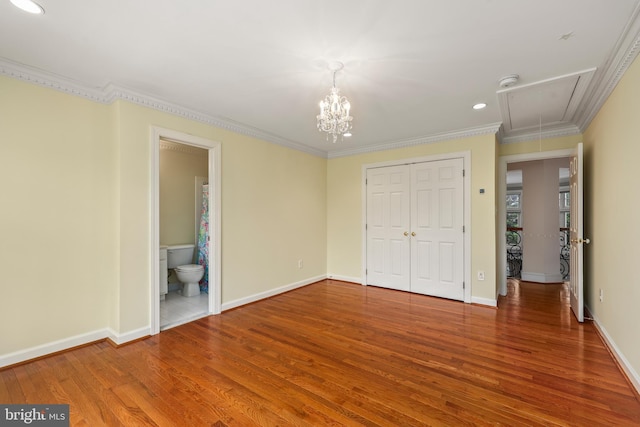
(334, 353)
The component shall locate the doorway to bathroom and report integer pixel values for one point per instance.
(185, 201)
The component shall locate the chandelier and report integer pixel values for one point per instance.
(334, 118)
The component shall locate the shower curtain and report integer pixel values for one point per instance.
(203, 239)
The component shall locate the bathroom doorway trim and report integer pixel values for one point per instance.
(215, 149)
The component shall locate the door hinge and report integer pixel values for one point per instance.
(463, 229)
(463, 285)
(463, 172)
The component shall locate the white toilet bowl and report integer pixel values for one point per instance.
(189, 275)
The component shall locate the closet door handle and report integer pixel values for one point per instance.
(406, 233)
(413, 233)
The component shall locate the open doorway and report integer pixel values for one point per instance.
(513, 234)
(208, 300)
(538, 204)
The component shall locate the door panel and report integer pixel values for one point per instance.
(437, 219)
(388, 259)
(576, 234)
(415, 238)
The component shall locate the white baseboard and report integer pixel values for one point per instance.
(528, 276)
(357, 280)
(67, 343)
(484, 301)
(631, 373)
(120, 339)
(52, 347)
(262, 295)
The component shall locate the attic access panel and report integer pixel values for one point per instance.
(545, 103)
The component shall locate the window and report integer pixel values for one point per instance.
(514, 209)
(564, 204)
(514, 216)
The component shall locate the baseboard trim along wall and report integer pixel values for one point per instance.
(357, 280)
(528, 276)
(626, 367)
(272, 292)
(52, 347)
(48, 349)
(484, 301)
(119, 339)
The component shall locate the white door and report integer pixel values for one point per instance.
(415, 238)
(576, 230)
(437, 236)
(388, 215)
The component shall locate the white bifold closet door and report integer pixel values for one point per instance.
(415, 234)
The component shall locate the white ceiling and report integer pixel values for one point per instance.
(413, 68)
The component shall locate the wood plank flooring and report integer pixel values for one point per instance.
(334, 353)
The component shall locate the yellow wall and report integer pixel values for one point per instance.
(75, 223)
(548, 144)
(273, 212)
(611, 215)
(178, 170)
(344, 201)
(58, 218)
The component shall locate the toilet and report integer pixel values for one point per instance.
(180, 259)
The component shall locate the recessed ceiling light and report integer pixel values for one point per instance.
(28, 6)
(479, 106)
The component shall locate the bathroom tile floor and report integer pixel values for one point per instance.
(176, 309)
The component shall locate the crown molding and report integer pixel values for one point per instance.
(111, 93)
(181, 148)
(50, 80)
(622, 56)
(445, 136)
(601, 86)
(555, 131)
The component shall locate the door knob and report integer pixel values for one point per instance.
(406, 233)
(580, 241)
(413, 233)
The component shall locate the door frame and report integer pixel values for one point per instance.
(214, 149)
(502, 208)
(466, 157)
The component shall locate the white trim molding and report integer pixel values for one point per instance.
(466, 157)
(111, 93)
(484, 301)
(64, 344)
(490, 129)
(632, 375)
(503, 161)
(53, 347)
(157, 135)
(136, 334)
(270, 293)
(356, 280)
(529, 276)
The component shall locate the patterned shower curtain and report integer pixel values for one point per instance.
(203, 239)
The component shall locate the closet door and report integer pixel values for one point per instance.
(437, 236)
(388, 221)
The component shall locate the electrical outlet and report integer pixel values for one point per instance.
(480, 275)
(601, 295)
(300, 264)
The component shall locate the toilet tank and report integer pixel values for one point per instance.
(179, 255)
